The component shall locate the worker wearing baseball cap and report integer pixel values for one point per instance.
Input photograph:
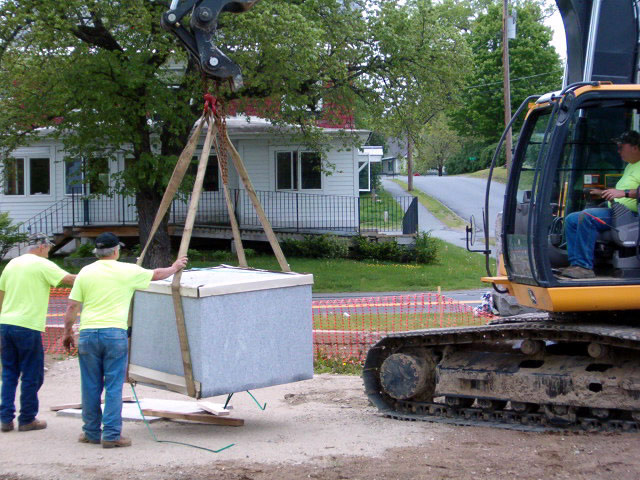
(24, 298)
(104, 290)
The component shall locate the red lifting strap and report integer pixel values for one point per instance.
(210, 102)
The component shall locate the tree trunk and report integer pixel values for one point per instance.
(409, 164)
(159, 253)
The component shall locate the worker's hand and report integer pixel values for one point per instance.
(612, 193)
(595, 192)
(180, 263)
(68, 342)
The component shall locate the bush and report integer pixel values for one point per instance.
(425, 250)
(9, 235)
(315, 246)
(83, 251)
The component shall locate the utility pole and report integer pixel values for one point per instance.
(506, 81)
(409, 162)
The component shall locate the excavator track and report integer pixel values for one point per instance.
(526, 372)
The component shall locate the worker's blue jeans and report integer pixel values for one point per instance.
(581, 231)
(103, 363)
(22, 358)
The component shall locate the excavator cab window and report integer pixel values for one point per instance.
(557, 165)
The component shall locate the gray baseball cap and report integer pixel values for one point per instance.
(39, 239)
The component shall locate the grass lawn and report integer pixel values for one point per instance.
(394, 322)
(456, 269)
(499, 174)
(372, 212)
(439, 210)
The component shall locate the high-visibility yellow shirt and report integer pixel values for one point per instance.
(26, 281)
(105, 289)
(629, 181)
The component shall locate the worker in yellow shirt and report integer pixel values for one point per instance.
(104, 290)
(24, 298)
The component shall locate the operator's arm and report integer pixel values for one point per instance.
(611, 193)
(162, 273)
(1, 299)
(73, 308)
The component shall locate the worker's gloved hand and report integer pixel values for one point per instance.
(68, 342)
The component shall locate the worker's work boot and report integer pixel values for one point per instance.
(577, 272)
(121, 442)
(7, 427)
(84, 439)
(35, 425)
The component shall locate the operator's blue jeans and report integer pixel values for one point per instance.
(103, 362)
(22, 355)
(581, 232)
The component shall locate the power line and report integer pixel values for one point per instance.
(512, 80)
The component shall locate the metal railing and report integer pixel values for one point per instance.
(287, 212)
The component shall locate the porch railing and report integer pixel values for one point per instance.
(287, 212)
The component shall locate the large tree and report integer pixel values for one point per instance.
(534, 65)
(96, 73)
(415, 91)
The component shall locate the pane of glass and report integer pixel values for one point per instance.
(311, 170)
(40, 179)
(98, 176)
(363, 176)
(73, 176)
(284, 171)
(14, 176)
(210, 183)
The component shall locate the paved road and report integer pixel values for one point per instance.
(463, 195)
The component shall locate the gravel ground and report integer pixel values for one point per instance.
(322, 428)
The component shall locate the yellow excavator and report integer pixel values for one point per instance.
(574, 363)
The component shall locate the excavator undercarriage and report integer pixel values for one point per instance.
(528, 372)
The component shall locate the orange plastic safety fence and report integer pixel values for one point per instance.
(346, 328)
(343, 328)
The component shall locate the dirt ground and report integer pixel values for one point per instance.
(320, 429)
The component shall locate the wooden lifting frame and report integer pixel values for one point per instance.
(216, 135)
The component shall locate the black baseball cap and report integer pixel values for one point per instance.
(630, 137)
(108, 240)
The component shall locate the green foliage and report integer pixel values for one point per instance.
(83, 251)
(195, 255)
(315, 246)
(425, 250)
(535, 67)
(9, 235)
(339, 366)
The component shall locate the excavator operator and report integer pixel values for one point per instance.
(582, 228)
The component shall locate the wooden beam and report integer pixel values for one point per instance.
(175, 383)
(196, 417)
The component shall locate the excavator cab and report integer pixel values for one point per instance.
(567, 148)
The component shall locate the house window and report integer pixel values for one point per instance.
(210, 182)
(97, 176)
(364, 176)
(73, 177)
(14, 176)
(87, 178)
(30, 176)
(298, 170)
(39, 176)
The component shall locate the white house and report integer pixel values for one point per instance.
(299, 194)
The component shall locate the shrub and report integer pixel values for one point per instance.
(83, 251)
(315, 246)
(424, 251)
(9, 235)
(426, 248)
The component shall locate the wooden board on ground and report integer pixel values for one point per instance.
(214, 408)
(196, 417)
(55, 408)
(130, 413)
